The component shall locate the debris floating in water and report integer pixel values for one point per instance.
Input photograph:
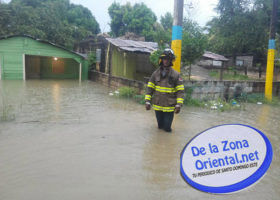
(259, 103)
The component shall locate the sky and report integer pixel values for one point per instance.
(202, 10)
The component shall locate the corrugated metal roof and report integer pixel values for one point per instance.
(214, 56)
(133, 46)
(44, 41)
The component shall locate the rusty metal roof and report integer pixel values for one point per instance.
(133, 46)
(214, 56)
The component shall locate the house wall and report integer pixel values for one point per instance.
(144, 67)
(131, 65)
(247, 61)
(12, 51)
(123, 64)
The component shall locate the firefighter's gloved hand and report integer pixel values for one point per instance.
(177, 109)
(148, 106)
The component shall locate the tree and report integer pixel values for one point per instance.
(194, 42)
(161, 36)
(116, 13)
(166, 21)
(241, 27)
(57, 21)
(138, 19)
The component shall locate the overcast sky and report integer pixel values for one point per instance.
(201, 12)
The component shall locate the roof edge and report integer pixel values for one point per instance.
(42, 41)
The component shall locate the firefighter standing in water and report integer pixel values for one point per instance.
(165, 91)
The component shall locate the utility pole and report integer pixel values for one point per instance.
(176, 44)
(271, 52)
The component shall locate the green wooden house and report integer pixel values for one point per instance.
(23, 57)
(130, 59)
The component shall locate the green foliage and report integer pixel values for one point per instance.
(194, 42)
(228, 76)
(241, 27)
(166, 21)
(161, 36)
(259, 98)
(189, 101)
(140, 98)
(92, 59)
(277, 64)
(154, 57)
(57, 21)
(116, 13)
(130, 93)
(127, 92)
(138, 19)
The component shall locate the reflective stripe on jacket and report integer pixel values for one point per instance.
(165, 92)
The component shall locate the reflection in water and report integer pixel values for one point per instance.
(263, 116)
(71, 140)
(56, 98)
(159, 156)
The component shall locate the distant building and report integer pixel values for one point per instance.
(211, 60)
(241, 61)
(121, 57)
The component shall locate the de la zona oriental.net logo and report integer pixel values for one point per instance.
(226, 160)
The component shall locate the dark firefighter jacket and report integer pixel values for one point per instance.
(165, 92)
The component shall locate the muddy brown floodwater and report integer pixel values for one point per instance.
(70, 140)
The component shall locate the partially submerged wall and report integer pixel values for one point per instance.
(227, 89)
(200, 89)
(116, 82)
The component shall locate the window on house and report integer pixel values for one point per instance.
(239, 62)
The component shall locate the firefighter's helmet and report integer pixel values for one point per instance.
(167, 53)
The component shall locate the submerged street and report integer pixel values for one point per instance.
(71, 140)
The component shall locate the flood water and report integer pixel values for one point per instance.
(71, 140)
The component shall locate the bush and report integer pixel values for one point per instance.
(140, 98)
(259, 97)
(154, 57)
(188, 100)
(92, 60)
(127, 92)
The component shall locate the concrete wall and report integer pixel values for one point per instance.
(116, 82)
(200, 89)
(227, 89)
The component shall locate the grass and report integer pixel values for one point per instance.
(259, 98)
(229, 75)
(129, 93)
